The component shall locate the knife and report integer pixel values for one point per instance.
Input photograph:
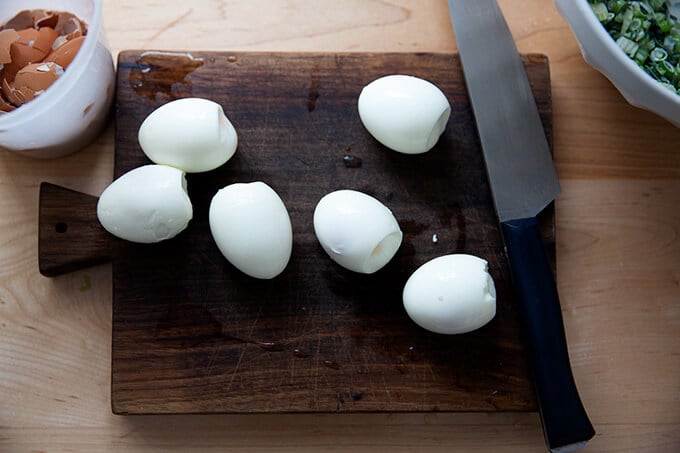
(523, 182)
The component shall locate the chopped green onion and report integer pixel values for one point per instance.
(647, 32)
(656, 4)
(672, 44)
(658, 54)
(600, 10)
(627, 18)
(628, 45)
(641, 55)
(616, 5)
(644, 9)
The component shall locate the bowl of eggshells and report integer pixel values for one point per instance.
(57, 78)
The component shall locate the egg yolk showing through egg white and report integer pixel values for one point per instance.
(357, 231)
(251, 226)
(451, 294)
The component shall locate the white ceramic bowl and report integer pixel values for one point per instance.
(72, 112)
(601, 52)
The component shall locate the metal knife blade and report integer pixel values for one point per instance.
(523, 182)
(520, 168)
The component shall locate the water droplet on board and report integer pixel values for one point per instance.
(144, 67)
(332, 365)
(163, 73)
(300, 353)
(352, 161)
(270, 346)
(232, 58)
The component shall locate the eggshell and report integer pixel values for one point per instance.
(404, 113)
(451, 294)
(5, 106)
(43, 41)
(31, 47)
(65, 53)
(7, 37)
(250, 225)
(147, 204)
(16, 97)
(23, 19)
(45, 18)
(70, 26)
(192, 134)
(38, 76)
(356, 230)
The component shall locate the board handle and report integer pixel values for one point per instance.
(70, 236)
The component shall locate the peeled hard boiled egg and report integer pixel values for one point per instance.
(192, 134)
(147, 204)
(252, 229)
(451, 294)
(404, 113)
(357, 231)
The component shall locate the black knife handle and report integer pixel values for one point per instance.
(565, 422)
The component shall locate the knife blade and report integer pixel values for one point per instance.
(523, 182)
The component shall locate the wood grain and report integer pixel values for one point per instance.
(69, 235)
(619, 168)
(192, 334)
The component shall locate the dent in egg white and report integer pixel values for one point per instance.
(356, 231)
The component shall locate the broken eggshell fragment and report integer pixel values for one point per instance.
(38, 76)
(64, 54)
(31, 47)
(31, 81)
(69, 26)
(14, 96)
(7, 37)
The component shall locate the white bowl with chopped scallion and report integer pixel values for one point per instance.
(635, 44)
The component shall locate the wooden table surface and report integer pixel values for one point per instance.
(618, 254)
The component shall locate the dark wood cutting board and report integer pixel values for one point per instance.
(191, 334)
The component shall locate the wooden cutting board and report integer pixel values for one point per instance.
(191, 334)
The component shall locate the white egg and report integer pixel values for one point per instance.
(451, 294)
(147, 204)
(404, 113)
(357, 231)
(192, 134)
(252, 229)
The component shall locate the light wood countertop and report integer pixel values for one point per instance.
(618, 254)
